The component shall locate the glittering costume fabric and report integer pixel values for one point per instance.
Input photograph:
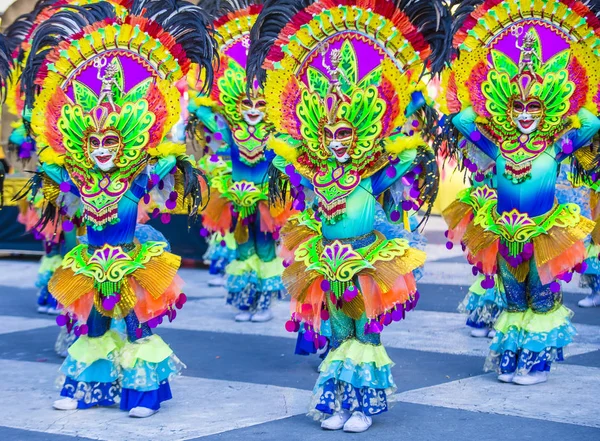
(527, 98)
(101, 106)
(342, 136)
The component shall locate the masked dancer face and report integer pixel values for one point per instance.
(527, 115)
(338, 139)
(103, 149)
(253, 110)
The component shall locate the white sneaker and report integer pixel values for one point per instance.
(591, 301)
(216, 281)
(42, 309)
(141, 412)
(492, 333)
(337, 421)
(262, 316)
(358, 423)
(480, 332)
(53, 311)
(243, 316)
(507, 377)
(65, 404)
(531, 378)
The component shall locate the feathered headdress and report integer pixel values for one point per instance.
(357, 61)
(100, 67)
(537, 56)
(233, 22)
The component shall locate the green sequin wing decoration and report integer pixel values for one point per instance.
(84, 96)
(232, 86)
(348, 65)
(554, 92)
(311, 112)
(138, 92)
(119, 78)
(73, 125)
(556, 63)
(498, 90)
(317, 81)
(133, 123)
(503, 63)
(373, 78)
(364, 111)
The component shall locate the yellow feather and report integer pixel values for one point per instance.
(49, 156)
(283, 149)
(167, 148)
(403, 143)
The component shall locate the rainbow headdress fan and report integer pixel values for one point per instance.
(526, 68)
(100, 78)
(243, 113)
(345, 71)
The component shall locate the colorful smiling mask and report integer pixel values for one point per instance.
(525, 78)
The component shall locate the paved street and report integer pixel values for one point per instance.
(243, 381)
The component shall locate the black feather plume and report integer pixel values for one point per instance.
(191, 28)
(272, 19)
(429, 180)
(432, 20)
(3, 171)
(192, 187)
(279, 185)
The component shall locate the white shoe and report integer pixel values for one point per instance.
(141, 412)
(337, 421)
(217, 281)
(65, 404)
(531, 378)
(358, 423)
(262, 316)
(507, 377)
(53, 311)
(480, 332)
(42, 309)
(492, 333)
(243, 316)
(590, 301)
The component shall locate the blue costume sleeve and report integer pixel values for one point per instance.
(141, 185)
(590, 125)
(59, 175)
(381, 181)
(465, 123)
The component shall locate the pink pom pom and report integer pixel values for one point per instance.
(290, 326)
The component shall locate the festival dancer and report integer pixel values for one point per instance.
(349, 137)
(527, 113)
(239, 201)
(111, 154)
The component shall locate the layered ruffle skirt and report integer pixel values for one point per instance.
(370, 281)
